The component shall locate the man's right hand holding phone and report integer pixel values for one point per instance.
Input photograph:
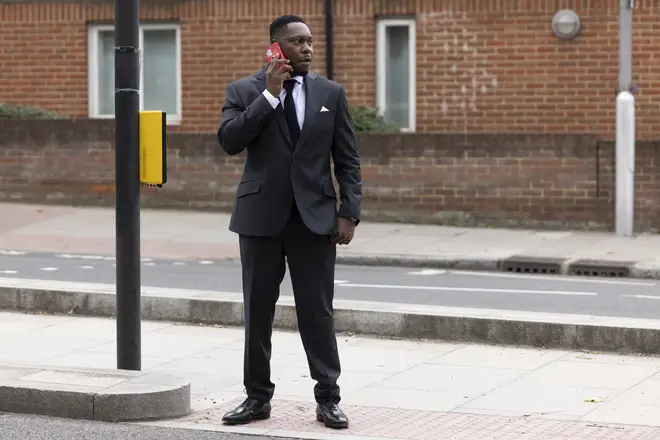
(278, 71)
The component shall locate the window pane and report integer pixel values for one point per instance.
(160, 71)
(106, 70)
(397, 76)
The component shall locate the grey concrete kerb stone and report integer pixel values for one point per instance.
(410, 321)
(513, 264)
(92, 394)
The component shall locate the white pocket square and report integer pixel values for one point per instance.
(323, 109)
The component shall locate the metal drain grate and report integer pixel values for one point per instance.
(594, 268)
(533, 265)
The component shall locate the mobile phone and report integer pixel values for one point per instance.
(274, 52)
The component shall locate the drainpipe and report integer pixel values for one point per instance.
(329, 61)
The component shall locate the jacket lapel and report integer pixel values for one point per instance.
(279, 111)
(313, 101)
(281, 121)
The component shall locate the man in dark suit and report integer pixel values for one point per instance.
(291, 122)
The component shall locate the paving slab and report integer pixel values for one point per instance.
(92, 394)
(391, 389)
(91, 231)
(292, 419)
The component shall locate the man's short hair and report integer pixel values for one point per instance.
(280, 24)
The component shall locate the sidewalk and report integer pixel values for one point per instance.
(391, 389)
(201, 235)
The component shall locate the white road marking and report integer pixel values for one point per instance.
(470, 289)
(179, 263)
(49, 269)
(551, 278)
(149, 264)
(85, 257)
(641, 296)
(206, 262)
(87, 267)
(340, 281)
(146, 259)
(9, 272)
(12, 253)
(427, 272)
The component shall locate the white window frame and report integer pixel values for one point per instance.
(381, 68)
(93, 68)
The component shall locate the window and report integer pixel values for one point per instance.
(160, 70)
(395, 63)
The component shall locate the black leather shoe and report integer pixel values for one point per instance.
(330, 414)
(248, 411)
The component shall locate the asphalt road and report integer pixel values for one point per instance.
(25, 427)
(605, 297)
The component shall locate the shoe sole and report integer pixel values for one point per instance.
(331, 425)
(245, 422)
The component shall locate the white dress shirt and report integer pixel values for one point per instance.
(298, 99)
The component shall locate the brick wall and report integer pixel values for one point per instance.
(483, 65)
(526, 180)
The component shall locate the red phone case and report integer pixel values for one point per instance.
(274, 52)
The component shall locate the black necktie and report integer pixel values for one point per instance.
(290, 111)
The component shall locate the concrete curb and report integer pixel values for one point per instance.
(573, 332)
(92, 394)
(476, 264)
(515, 264)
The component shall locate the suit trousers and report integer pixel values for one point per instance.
(311, 261)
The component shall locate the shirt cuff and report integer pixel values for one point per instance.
(274, 102)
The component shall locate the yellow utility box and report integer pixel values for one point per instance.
(153, 148)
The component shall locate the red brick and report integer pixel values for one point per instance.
(502, 179)
(543, 84)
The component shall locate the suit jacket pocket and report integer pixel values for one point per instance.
(329, 189)
(247, 188)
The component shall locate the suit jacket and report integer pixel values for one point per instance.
(277, 172)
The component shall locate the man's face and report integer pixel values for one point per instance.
(296, 43)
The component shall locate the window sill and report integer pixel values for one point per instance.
(174, 121)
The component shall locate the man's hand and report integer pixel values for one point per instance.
(345, 232)
(278, 70)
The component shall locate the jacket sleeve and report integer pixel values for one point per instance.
(347, 161)
(241, 124)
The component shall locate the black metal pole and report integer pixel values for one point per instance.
(329, 49)
(127, 222)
